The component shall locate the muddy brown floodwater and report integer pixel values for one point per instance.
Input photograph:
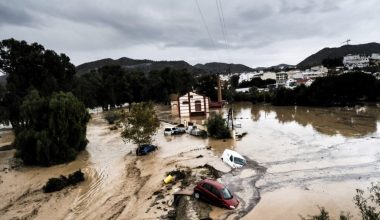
(298, 158)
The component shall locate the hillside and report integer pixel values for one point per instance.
(127, 63)
(215, 67)
(338, 52)
(149, 65)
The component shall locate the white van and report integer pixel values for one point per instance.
(233, 159)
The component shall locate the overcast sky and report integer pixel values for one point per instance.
(257, 32)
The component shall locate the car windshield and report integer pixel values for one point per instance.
(226, 193)
(239, 161)
(168, 129)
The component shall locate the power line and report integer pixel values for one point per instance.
(224, 23)
(221, 21)
(205, 24)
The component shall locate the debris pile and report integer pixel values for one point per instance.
(56, 184)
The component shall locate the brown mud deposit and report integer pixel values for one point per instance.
(305, 157)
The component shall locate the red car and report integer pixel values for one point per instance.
(215, 193)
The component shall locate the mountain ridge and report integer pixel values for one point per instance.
(149, 65)
(338, 52)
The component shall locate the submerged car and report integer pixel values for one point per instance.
(168, 131)
(145, 149)
(233, 159)
(173, 131)
(215, 193)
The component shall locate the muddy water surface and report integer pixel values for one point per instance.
(313, 156)
(298, 158)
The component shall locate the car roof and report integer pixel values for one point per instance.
(146, 145)
(233, 153)
(214, 183)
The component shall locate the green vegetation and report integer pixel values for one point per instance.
(332, 62)
(340, 90)
(369, 206)
(48, 121)
(53, 129)
(216, 127)
(257, 82)
(113, 116)
(112, 86)
(31, 67)
(140, 124)
(253, 95)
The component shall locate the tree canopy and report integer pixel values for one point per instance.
(30, 66)
(48, 121)
(140, 124)
(216, 127)
(53, 129)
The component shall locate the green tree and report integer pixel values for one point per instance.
(31, 67)
(53, 129)
(234, 81)
(207, 85)
(140, 124)
(216, 127)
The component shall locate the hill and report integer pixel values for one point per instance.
(216, 67)
(149, 65)
(338, 52)
(128, 63)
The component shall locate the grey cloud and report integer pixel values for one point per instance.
(172, 25)
(13, 16)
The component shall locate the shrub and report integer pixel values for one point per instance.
(217, 128)
(112, 116)
(56, 184)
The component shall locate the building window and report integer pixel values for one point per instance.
(198, 106)
(185, 103)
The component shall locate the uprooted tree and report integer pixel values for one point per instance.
(140, 124)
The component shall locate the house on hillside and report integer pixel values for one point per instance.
(281, 78)
(190, 104)
(359, 61)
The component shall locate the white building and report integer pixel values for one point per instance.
(281, 78)
(248, 76)
(375, 56)
(268, 75)
(191, 104)
(351, 61)
(243, 90)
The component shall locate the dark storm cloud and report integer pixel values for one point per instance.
(172, 29)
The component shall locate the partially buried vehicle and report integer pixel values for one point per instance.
(145, 149)
(233, 159)
(215, 193)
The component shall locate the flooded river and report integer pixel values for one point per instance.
(299, 158)
(314, 156)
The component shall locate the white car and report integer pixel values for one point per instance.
(168, 131)
(233, 159)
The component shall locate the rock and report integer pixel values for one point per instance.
(199, 156)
